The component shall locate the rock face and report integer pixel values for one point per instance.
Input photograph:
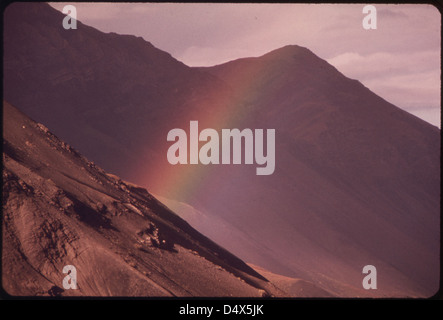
(61, 209)
(357, 180)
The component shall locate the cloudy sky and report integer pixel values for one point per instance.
(400, 60)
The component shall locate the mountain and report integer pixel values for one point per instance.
(356, 181)
(61, 209)
(95, 89)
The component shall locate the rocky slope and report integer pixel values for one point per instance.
(61, 209)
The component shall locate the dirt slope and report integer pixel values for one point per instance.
(60, 209)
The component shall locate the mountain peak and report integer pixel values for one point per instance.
(292, 53)
(289, 50)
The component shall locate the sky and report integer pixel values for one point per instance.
(399, 61)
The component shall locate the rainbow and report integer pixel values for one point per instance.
(224, 109)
